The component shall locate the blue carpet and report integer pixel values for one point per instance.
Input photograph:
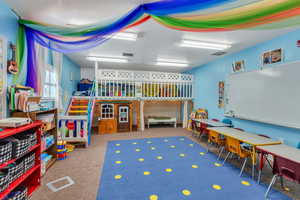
(172, 169)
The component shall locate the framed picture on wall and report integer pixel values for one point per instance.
(221, 94)
(271, 57)
(238, 66)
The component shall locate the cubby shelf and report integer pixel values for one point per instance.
(31, 178)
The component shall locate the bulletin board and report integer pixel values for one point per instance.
(3, 77)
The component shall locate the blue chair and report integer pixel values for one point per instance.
(227, 121)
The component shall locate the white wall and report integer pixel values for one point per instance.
(87, 73)
(163, 109)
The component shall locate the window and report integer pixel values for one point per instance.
(50, 85)
(123, 114)
(107, 111)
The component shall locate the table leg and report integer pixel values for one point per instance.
(253, 161)
(261, 166)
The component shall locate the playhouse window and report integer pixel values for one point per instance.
(107, 111)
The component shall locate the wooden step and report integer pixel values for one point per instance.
(79, 106)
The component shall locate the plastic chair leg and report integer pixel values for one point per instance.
(220, 153)
(226, 157)
(270, 185)
(259, 176)
(243, 167)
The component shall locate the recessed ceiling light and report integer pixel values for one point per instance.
(107, 59)
(204, 45)
(171, 63)
(125, 36)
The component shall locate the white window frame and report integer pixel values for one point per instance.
(107, 113)
(50, 69)
(127, 113)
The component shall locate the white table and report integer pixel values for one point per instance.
(249, 138)
(280, 150)
(211, 123)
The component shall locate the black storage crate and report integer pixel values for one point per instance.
(29, 161)
(15, 170)
(4, 179)
(5, 151)
(21, 145)
(19, 193)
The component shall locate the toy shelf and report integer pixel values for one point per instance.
(48, 128)
(31, 178)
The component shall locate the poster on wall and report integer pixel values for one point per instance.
(221, 94)
(271, 57)
(238, 66)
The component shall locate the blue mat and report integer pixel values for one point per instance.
(174, 168)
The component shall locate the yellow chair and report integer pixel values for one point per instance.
(214, 137)
(233, 146)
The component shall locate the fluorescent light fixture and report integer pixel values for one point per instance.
(125, 36)
(171, 63)
(204, 45)
(106, 59)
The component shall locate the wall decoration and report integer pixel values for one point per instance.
(298, 43)
(238, 66)
(271, 57)
(221, 94)
(12, 66)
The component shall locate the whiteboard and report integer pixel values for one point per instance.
(270, 95)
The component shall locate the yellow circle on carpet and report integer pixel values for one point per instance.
(134, 143)
(286, 189)
(141, 159)
(186, 192)
(172, 146)
(168, 170)
(118, 162)
(118, 151)
(146, 173)
(166, 140)
(217, 164)
(118, 145)
(149, 142)
(137, 150)
(117, 177)
(153, 197)
(217, 187)
(246, 183)
(191, 145)
(195, 166)
(153, 148)
(159, 157)
(182, 155)
(202, 153)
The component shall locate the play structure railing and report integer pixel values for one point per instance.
(77, 128)
(143, 85)
(73, 129)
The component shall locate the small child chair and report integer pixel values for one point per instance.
(227, 121)
(233, 147)
(214, 137)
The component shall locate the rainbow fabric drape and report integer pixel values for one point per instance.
(185, 15)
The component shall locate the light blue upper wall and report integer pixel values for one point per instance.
(207, 77)
(69, 68)
(8, 27)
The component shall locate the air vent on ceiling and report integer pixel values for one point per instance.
(127, 54)
(219, 53)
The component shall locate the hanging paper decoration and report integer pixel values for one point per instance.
(185, 15)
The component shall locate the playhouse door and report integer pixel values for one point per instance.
(123, 120)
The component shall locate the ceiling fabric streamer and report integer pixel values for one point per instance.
(183, 15)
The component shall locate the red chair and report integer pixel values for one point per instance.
(283, 167)
(215, 120)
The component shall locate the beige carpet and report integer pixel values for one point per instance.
(84, 166)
